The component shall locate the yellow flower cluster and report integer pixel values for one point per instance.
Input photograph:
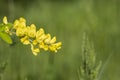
(37, 39)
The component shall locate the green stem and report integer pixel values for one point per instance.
(0, 76)
(51, 59)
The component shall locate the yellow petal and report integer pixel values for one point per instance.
(53, 40)
(31, 30)
(22, 19)
(32, 26)
(5, 20)
(16, 23)
(35, 51)
(39, 32)
(43, 46)
(20, 31)
(58, 45)
(22, 23)
(35, 42)
(25, 40)
(52, 48)
(41, 38)
(48, 39)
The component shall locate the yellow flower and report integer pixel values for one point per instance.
(25, 40)
(34, 42)
(20, 31)
(53, 40)
(28, 35)
(48, 39)
(35, 51)
(22, 22)
(16, 23)
(40, 36)
(39, 32)
(19, 23)
(58, 45)
(21, 19)
(43, 46)
(54, 47)
(31, 31)
(5, 20)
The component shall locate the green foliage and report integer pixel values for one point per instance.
(101, 18)
(2, 69)
(4, 36)
(88, 70)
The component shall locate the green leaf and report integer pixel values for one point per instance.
(6, 37)
(9, 25)
(2, 27)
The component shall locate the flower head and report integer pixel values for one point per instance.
(28, 35)
(21, 23)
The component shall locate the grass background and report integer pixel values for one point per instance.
(68, 20)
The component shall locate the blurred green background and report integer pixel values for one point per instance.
(68, 20)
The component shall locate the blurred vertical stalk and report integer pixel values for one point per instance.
(11, 8)
(51, 59)
(2, 69)
(1, 76)
(88, 69)
(50, 71)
